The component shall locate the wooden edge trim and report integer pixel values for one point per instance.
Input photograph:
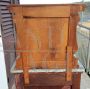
(69, 64)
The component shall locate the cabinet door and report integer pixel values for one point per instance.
(46, 41)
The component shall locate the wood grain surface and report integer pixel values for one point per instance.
(46, 37)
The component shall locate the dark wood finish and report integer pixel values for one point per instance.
(76, 81)
(49, 87)
(48, 81)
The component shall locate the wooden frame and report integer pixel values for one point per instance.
(26, 15)
(52, 81)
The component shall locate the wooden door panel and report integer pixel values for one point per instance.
(45, 41)
(42, 31)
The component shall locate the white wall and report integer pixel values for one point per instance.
(3, 76)
(47, 1)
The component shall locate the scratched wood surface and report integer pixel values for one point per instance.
(46, 37)
(45, 42)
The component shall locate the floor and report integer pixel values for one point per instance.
(85, 81)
